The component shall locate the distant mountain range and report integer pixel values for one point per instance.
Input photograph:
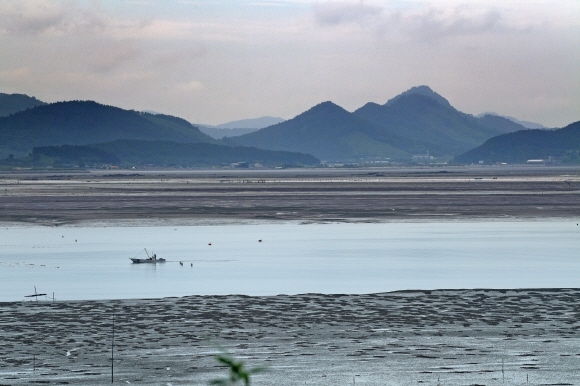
(252, 123)
(416, 121)
(240, 127)
(14, 103)
(526, 124)
(519, 147)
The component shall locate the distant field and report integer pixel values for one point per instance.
(293, 194)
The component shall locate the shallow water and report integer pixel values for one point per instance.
(93, 262)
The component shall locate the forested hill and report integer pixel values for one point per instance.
(330, 133)
(165, 153)
(14, 103)
(524, 145)
(87, 122)
(130, 153)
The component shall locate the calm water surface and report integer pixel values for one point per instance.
(93, 262)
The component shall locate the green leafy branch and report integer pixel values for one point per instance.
(237, 372)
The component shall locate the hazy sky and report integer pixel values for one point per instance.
(216, 61)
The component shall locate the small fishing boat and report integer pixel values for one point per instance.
(149, 260)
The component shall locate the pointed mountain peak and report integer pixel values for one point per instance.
(368, 108)
(325, 108)
(421, 90)
(369, 105)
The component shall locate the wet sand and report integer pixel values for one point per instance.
(318, 195)
(446, 337)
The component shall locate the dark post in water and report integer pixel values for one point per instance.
(112, 346)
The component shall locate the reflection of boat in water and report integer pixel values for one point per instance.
(149, 260)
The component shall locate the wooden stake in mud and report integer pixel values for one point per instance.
(502, 373)
(112, 346)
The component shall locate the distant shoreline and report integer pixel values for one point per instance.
(417, 292)
(234, 222)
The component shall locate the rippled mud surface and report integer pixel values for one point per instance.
(443, 337)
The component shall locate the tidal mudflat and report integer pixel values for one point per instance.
(438, 337)
(319, 195)
(445, 337)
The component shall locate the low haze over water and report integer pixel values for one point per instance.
(93, 262)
